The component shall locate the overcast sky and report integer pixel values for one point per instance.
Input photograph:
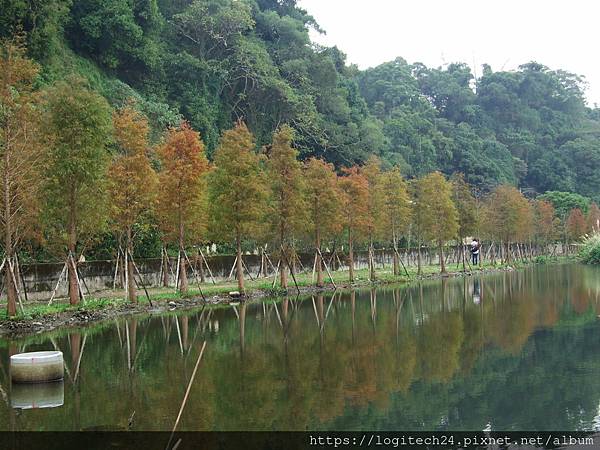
(502, 33)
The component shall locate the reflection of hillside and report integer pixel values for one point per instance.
(419, 358)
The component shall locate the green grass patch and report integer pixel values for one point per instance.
(161, 295)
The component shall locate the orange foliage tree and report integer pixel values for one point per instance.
(355, 206)
(593, 218)
(132, 181)
(576, 224)
(20, 156)
(437, 212)
(508, 217)
(323, 198)
(545, 221)
(396, 210)
(182, 192)
(376, 201)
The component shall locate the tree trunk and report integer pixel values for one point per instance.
(165, 280)
(442, 260)
(419, 263)
(73, 285)
(396, 263)
(462, 253)
(131, 291)
(183, 280)
(239, 270)
(319, 259)
(350, 257)
(72, 265)
(283, 279)
(11, 290)
(371, 261)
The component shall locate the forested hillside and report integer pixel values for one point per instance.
(215, 61)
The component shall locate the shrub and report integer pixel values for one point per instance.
(590, 249)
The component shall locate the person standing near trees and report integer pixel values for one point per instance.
(475, 247)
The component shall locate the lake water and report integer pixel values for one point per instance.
(508, 351)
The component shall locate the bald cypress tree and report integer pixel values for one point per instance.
(238, 192)
(77, 128)
(438, 214)
(132, 182)
(396, 211)
(466, 206)
(355, 207)
(323, 198)
(182, 191)
(287, 212)
(21, 156)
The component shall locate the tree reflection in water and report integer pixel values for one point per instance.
(518, 350)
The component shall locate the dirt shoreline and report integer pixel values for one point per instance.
(11, 328)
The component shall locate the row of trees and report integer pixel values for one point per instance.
(72, 168)
(214, 61)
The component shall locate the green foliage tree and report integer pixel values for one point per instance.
(238, 192)
(564, 202)
(396, 210)
(77, 130)
(287, 214)
(466, 207)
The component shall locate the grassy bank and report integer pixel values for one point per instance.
(160, 297)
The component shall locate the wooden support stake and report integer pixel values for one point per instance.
(195, 274)
(21, 277)
(290, 267)
(83, 281)
(401, 262)
(327, 268)
(207, 266)
(247, 271)
(76, 276)
(275, 275)
(117, 269)
(178, 266)
(141, 280)
(232, 269)
(57, 283)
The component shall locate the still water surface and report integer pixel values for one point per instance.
(509, 351)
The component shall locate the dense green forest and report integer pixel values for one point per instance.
(216, 61)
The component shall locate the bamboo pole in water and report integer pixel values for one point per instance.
(187, 392)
